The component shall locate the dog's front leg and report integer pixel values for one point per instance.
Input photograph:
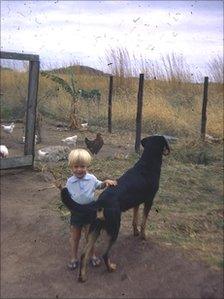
(135, 221)
(147, 208)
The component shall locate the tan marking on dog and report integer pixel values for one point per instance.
(100, 215)
(143, 224)
(135, 221)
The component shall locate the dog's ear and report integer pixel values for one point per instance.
(143, 141)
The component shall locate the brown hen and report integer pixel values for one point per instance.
(94, 145)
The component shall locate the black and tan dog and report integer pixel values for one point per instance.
(138, 185)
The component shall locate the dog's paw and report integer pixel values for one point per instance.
(143, 236)
(112, 267)
(136, 232)
(82, 278)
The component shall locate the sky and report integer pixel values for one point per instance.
(63, 32)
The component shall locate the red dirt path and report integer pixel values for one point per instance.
(34, 252)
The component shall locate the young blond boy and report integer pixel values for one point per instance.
(81, 187)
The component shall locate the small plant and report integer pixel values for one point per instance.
(71, 90)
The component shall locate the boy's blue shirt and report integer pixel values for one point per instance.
(82, 190)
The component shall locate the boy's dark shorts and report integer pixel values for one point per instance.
(79, 219)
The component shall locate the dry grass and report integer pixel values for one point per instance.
(172, 103)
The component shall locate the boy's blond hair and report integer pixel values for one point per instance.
(79, 156)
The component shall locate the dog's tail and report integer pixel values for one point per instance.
(74, 206)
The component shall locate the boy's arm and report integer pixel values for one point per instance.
(108, 183)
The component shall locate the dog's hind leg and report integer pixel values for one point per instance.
(111, 267)
(146, 210)
(112, 226)
(135, 221)
(93, 234)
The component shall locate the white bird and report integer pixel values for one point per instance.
(8, 128)
(36, 138)
(84, 125)
(42, 153)
(3, 151)
(211, 138)
(70, 140)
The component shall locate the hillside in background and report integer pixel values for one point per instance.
(79, 69)
(2, 68)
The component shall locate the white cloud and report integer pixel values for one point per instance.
(85, 29)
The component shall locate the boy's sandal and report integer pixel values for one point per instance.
(73, 265)
(95, 261)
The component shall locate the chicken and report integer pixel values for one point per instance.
(42, 154)
(84, 125)
(70, 140)
(8, 128)
(94, 145)
(3, 151)
(212, 139)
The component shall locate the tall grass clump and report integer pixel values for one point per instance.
(215, 69)
(175, 69)
(121, 66)
(14, 86)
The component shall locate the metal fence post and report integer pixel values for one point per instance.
(139, 114)
(110, 104)
(204, 106)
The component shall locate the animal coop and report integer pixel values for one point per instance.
(28, 158)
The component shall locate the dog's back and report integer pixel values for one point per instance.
(133, 188)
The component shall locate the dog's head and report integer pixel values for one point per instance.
(156, 144)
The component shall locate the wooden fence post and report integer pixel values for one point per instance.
(110, 104)
(204, 106)
(31, 107)
(139, 114)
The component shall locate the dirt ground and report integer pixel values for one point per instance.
(34, 251)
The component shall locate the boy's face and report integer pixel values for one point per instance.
(79, 170)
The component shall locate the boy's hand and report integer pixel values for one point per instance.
(110, 183)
